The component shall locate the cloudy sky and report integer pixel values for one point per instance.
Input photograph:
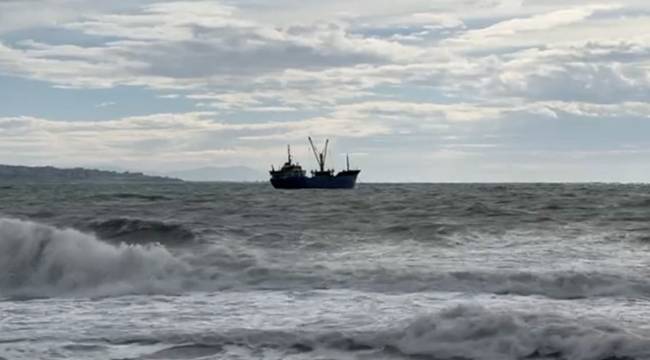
(414, 90)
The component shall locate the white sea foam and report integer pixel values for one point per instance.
(461, 332)
(474, 332)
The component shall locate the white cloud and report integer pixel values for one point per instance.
(169, 96)
(105, 104)
(423, 112)
(154, 139)
(596, 72)
(539, 22)
(188, 44)
(17, 15)
(620, 110)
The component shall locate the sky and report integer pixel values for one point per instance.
(413, 90)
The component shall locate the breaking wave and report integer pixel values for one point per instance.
(38, 260)
(141, 231)
(461, 332)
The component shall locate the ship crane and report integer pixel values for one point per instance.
(320, 156)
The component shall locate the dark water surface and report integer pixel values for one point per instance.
(242, 271)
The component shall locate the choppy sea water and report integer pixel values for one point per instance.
(242, 271)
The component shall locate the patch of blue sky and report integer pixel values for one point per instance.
(623, 12)
(415, 93)
(387, 31)
(24, 97)
(484, 22)
(573, 132)
(507, 51)
(419, 32)
(244, 116)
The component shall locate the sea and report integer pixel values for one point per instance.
(384, 271)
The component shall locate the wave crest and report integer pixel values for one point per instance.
(461, 332)
(473, 332)
(141, 231)
(39, 260)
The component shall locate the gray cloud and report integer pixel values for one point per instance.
(164, 45)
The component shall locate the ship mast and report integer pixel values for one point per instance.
(323, 155)
(320, 157)
(289, 154)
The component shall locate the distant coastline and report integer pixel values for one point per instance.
(50, 174)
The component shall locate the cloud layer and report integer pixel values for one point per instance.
(456, 86)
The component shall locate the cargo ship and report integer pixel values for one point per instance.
(292, 176)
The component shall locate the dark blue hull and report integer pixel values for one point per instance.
(341, 181)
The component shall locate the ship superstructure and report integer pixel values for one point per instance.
(292, 176)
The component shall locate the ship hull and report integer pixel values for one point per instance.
(340, 181)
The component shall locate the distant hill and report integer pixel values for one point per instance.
(214, 173)
(49, 174)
